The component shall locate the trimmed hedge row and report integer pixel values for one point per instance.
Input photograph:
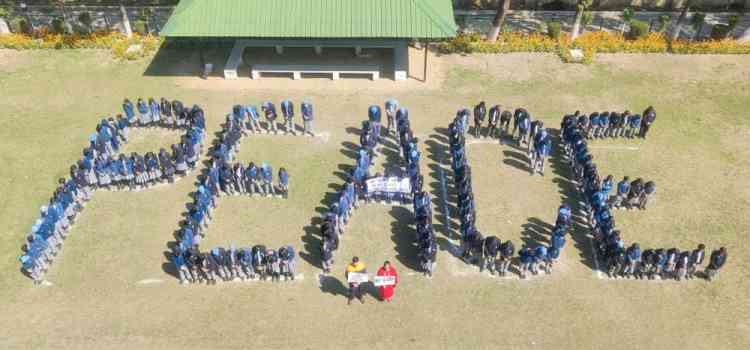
(590, 43)
(116, 42)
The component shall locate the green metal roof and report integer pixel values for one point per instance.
(312, 19)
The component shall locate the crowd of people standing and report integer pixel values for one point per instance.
(103, 167)
(619, 259)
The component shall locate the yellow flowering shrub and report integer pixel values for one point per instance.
(591, 43)
(116, 42)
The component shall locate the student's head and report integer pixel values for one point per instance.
(356, 259)
(609, 178)
(626, 178)
(387, 264)
(701, 246)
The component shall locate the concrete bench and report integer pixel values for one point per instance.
(297, 70)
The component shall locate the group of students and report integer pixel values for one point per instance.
(615, 124)
(50, 230)
(256, 263)
(248, 118)
(400, 127)
(491, 252)
(610, 247)
(152, 113)
(337, 217)
(629, 194)
(531, 132)
(101, 168)
(545, 256)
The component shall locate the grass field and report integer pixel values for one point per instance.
(697, 153)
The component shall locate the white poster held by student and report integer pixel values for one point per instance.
(381, 281)
(357, 277)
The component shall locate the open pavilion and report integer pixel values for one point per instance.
(314, 36)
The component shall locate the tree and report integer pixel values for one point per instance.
(697, 22)
(663, 23)
(86, 20)
(627, 16)
(499, 20)
(126, 21)
(581, 7)
(680, 20)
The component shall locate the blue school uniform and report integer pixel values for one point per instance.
(373, 114)
(127, 108)
(307, 111)
(287, 109)
(252, 112)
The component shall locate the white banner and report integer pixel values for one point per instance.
(384, 280)
(357, 277)
(389, 184)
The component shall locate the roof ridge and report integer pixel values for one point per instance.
(431, 12)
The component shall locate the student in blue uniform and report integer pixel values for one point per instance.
(287, 109)
(634, 125)
(270, 112)
(493, 118)
(480, 111)
(623, 188)
(253, 118)
(283, 182)
(287, 262)
(553, 253)
(307, 118)
(696, 259)
(505, 118)
(266, 173)
(127, 108)
(155, 112)
(524, 124)
(374, 117)
(391, 106)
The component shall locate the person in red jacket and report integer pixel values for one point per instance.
(386, 292)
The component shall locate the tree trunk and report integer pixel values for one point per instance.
(745, 36)
(680, 20)
(66, 26)
(697, 33)
(497, 22)
(126, 22)
(576, 26)
(4, 29)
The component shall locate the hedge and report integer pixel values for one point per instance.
(116, 42)
(591, 43)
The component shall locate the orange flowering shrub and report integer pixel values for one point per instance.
(591, 43)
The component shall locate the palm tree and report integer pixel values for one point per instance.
(581, 7)
(497, 22)
(680, 20)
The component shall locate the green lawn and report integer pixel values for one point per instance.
(697, 154)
